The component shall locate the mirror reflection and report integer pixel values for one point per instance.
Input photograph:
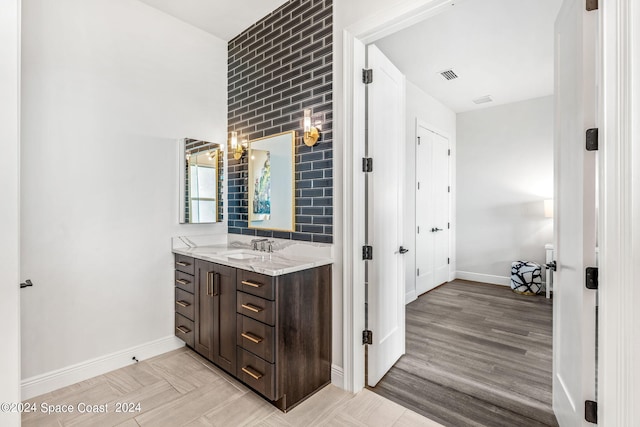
(271, 182)
(201, 176)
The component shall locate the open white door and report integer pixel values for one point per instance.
(574, 316)
(384, 226)
(432, 210)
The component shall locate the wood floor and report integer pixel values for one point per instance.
(477, 355)
(180, 388)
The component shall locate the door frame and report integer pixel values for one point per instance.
(619, 210)
(10, 209)
(355, 38)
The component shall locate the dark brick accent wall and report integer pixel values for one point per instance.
(277, 68)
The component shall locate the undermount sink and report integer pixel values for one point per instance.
(241, 254)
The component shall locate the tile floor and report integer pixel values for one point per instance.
(180, 388)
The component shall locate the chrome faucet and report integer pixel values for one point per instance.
(261, 241)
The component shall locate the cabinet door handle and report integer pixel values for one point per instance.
(252, 284)
(253, 338)
(182, 282)
(183, 329)
(182, 264)
(209, 283)
(252, 307)
(216, 284)
(252, 372)
(183, 303)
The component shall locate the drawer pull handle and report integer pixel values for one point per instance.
(252, 284)
(183, 304)
(252, 307)
(182, 282)
(251, 372)
(253, 338)
(183, 329)
(182, 264)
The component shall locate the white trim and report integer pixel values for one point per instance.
(410, 297)
(337, 376)
(619, 219)
(368, 30)
(483, 278)
(59, 378)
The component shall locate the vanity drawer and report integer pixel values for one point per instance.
(186, 264)
(184, 329)
(257, 373)
(257, 308)
(256, 337)
(184, 281)
(184, 304)
(256, 284)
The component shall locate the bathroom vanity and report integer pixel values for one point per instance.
(265, 318)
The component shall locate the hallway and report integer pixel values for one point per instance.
(477, 355)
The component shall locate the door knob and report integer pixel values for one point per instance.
(435, 230)
(551, 266)
(26, 284)
(403, 250)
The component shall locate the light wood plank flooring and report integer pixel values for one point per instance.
(477, 355)
(180, 388)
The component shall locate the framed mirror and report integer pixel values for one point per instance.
(272, 183)
(201, 173)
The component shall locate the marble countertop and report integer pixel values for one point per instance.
(287, 257)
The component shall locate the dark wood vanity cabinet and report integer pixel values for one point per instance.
(271, 332)
(215, 320)
(284, 333)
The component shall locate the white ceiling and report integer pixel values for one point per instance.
(222, 18)
(502, 48)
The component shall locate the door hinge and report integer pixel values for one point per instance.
(449, 189)
(592, 139)
(418, 272)
(448, 225)
(367, 337)
(367, 252)
(591, 411)
(449, 152)
(418, 185)
(367, 164)
(592, 5)
(418, 140)
(418, 229)
(448, 260)
(367, 76)
(591, 278)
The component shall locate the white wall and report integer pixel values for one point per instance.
(108, 87)
(9, 208)
(430, 111)
(504, 173)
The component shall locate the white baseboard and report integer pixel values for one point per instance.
(337, 376)
(485, 278)
(409, 297)
(44, 383)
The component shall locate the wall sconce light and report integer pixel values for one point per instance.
(236, 148)
(548, 208)
(311, 133)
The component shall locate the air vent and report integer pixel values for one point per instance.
(448, 74)
(483, 99)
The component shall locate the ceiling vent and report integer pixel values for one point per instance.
(448, 74)
(483, 99)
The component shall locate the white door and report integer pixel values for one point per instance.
(385, 273)
(432, 210)
(574, 322)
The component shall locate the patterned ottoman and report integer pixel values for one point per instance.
(526, 277)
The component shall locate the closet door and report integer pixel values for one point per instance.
(432, 210)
